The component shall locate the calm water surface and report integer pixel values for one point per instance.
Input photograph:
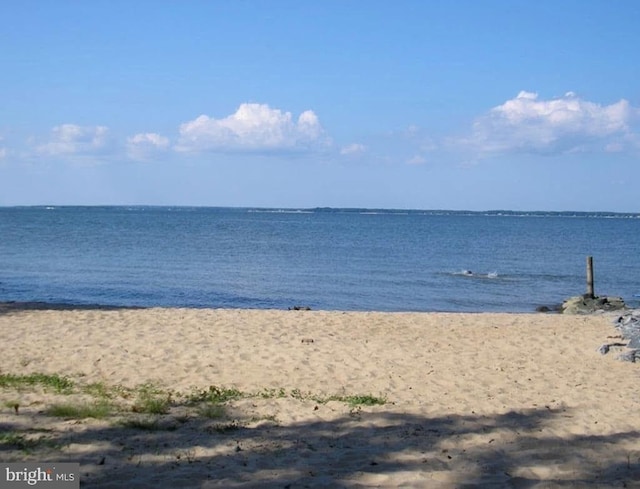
(325, 258)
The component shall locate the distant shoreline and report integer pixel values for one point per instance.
(349, 210)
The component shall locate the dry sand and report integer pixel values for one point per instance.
(472, 400)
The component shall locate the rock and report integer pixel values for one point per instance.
(604, 349)
(300, 308)
(629, 356)
(628, 325)
(635, 342)
(586, 305)
(553, 308)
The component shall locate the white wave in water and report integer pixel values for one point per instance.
(469, 273)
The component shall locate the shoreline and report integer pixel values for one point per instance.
(18, 306)
(498, 399)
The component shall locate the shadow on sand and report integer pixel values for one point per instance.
(381, 448)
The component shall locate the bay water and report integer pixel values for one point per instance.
(331, 259)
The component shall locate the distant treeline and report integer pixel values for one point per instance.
(337, 210)
(475, 213)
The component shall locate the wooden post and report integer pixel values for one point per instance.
(590, 293)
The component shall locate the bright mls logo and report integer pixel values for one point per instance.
(51, 476)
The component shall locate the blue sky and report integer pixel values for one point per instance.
(479, 105)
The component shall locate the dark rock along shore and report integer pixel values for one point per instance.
(583, 304)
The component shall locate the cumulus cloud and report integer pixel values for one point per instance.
(353, 149)
(71, 139)
(253, 127)
(144, 146)
(529, 124)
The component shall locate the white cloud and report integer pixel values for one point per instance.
(353, 149)
(71, 139)
(253, 127)
(144, 146)
(562, 125)
(417, 160)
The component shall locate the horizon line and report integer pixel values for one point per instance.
(325, 209)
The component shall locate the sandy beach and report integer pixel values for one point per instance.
(321, 399)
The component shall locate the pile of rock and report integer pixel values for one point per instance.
(583, 304)
(629, 327)
(627, 324)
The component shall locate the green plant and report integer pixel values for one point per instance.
(62, 385)
(97, 410)
(272, 393)
(151, 405)
(214, 394)
(352, 401)
(297, 394)
(98, 389)
(213, 411)
(15, 440)
(152, 400)
(366, 400)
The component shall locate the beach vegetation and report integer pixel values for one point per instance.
(366, 400)
(272, 393)
(15, 440)
(214, 395)
(351, 400)
(150, 389)
(211, 411)
(152, 404)
(99, 389)
(96, 410)
(152, 400)
(297, 394)
(59, 384)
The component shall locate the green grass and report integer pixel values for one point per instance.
(148, 399)
(152, 405)
(97, 410)
(212, 411)
(214, 395)
(152, 400)
(13, 440)
(366, 400)
(59, 384)
(99, 389)
(352, 401)
(272, 393)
